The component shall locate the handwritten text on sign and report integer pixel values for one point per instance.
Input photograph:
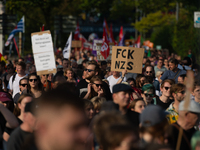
(128, 58)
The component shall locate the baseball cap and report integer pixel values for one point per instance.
(192, 107)
(4, 97)
(152, 115)
(122, 87)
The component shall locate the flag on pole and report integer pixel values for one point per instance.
(67, 48)
(105, 26)
(19, 28)
(77, 32)
(137, 42)
(2, 58)
(121, 36)
(105, 46)
(111, 36)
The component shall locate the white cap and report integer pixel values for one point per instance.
(193, 106)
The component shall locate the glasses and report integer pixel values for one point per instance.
(150, 95)
(98, 85)
(167, 88)
(89, 70)
(31, 80)
(148, 71)
(182, 92)
(23, 85)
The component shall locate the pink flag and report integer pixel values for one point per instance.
(121, 36)
(105, 46)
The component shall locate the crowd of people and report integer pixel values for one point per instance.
(85, 105)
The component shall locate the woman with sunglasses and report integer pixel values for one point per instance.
(95, 88)
(148, 93)
(34, 85)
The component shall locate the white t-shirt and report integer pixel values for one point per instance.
(112, 81)
(14, 86)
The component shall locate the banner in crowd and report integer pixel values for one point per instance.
(98, 51)
(94, 47)
(43, 52)
(76, 44)
(67, 48)
(129, 58)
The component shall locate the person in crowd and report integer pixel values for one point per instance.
(3, 72)
(23, 84)
(33, 69)
(159, 66)
(46, 80)
(61, 121)
(21, 59)
(57, 80)
(121, 96)
(148, 93)
(34, 85)
(156, 82)
(187, 63)
(173, 72)
(131, 82)
(28, 67)
(178, 93)
(89, 110)
(103, 69)
(189, 114)
(97, 102)
(65, 63)
(59, 68)
(140, 81)
(19, 135)
(196, 91)
(116, 78)
(13, 85)
(195, 141)
(138, 105)
(10, 72)
(166, 64)
(92, 70)
(154, 125)
(149, 71)
(69, 73)
(181, 78)
(164, 100)
(95, 88)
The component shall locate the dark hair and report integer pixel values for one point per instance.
(93, 93)
(131, 79)
(22, 64)
(173, 60)
(58, 74)
(64, 59)
(189, 62)
(25, 78)
(196, 83)
(139, 76)
(183, 76)
(10, 66)
(133, 103)
(21, 58)
(40, 86)
(93, 62)
(177, 87)
(2, 64)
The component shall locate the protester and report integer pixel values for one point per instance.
(156, 82)
(159, 66)
(97, 102)
(148, 93)
(89, 110)
(6, 78)
(149, 71)
(140, 80)
(182, 78)
(196, 91)
(138, 105)
(69, 73)
(166, 64)
(131, 82)
(65, 63)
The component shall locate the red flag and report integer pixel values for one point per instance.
(105, 46)
(111, 35)
(137, 42)
(43, 27)
(77, 32)
(82, 39)
(121, 34)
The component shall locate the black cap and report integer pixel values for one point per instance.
(122, 87)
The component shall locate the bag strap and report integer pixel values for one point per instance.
(176, 74)
(13, 79)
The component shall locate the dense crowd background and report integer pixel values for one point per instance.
(85, 105)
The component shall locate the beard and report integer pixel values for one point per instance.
(89, 76)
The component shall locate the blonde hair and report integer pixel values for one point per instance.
(158, 73)
(97, 102)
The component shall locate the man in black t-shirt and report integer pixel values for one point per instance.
(189, 116)
(92, 70)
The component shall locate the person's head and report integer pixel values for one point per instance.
(2, 66)
(181, 78)
(149, 71)
(103, 65)
(21, 103)
(89, 109)
(160, 63)
(121, 94)
(58, 79)
(23, 83)
(21, 67)
(187, 61)
(140, 80)
(61, 120)
(154, 124)
(196, 91)
(178, 91)
(137, 105)
(173, 64)
(97, 102)
(91, 70)
(159, 74)
(69, 73)
(148, 92)
(165, 87)
(7, 100)
(33, 81)
(10, 69)
(166, 62)
(116, 73)
(189, 114)
(131, 82)
(21, 59)
(65, 63)
(96, 82)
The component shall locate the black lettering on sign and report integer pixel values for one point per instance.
(118, 52)
(130, 65)
(124, 56)
(130, 54)
(122, 67)
(117, 64)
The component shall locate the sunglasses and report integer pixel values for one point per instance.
(167, 88)
(98, 85)
(150, 95)
(89, 70)
(148, 71)
(182, 92)
(23, 85)
(31, 80)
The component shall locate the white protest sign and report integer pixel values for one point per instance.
(43, 52)
(197, 19)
